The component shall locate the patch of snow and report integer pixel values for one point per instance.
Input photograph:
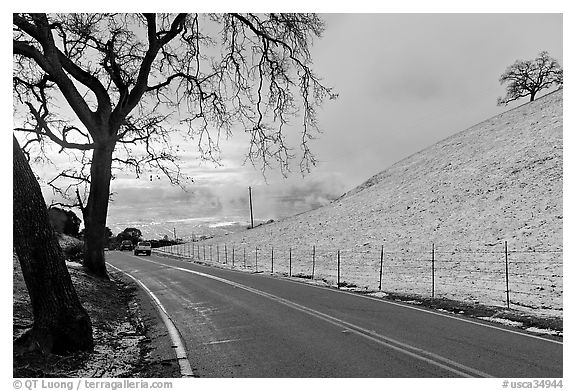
(377, 294)
(349, 288)
(113, 361)
(544, 331)
(412, 302)
(506, 322)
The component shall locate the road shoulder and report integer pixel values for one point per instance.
(158, 357)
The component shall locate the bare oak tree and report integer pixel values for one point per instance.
(61, 324)
(111, 89)
(528, 77)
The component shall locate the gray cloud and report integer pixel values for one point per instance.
(296, 196)
(405, 81)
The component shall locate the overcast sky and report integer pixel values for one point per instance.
(405, 81)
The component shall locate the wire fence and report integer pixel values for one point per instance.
(500, 276)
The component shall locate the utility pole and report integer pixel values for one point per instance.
(174, 233)
(251, 214)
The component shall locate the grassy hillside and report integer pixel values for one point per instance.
(500, 180)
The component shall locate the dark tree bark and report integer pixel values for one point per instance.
(96, 210)
(61, 324)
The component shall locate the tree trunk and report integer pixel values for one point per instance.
(96, 210)
(61, 324)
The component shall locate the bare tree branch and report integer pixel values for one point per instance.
(527, 78)
(136, 82)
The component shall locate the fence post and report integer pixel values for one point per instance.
(244, 257)
(507, 287)
(432, 270)
(313, 260)
(338, 281)
(381, 263)
(225, 255)
(204, 252)
(210, 253)
(232, 257)
(256, 267)
(290, 261)
(218, 253)
(272, 248)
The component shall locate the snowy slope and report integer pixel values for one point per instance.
(500, 180)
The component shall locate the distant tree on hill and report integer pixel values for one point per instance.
(64, 221)
(528, 77)
(132, 234)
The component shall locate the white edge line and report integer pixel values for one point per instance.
(177, 343)
(420, 354)
(428, 311)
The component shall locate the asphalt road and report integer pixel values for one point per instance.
(237, 324)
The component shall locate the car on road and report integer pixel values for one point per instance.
(143, 247)
(126, 245)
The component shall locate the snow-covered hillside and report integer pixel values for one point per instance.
(500, 180)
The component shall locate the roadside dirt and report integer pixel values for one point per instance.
(552, 325)
(130, 339)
